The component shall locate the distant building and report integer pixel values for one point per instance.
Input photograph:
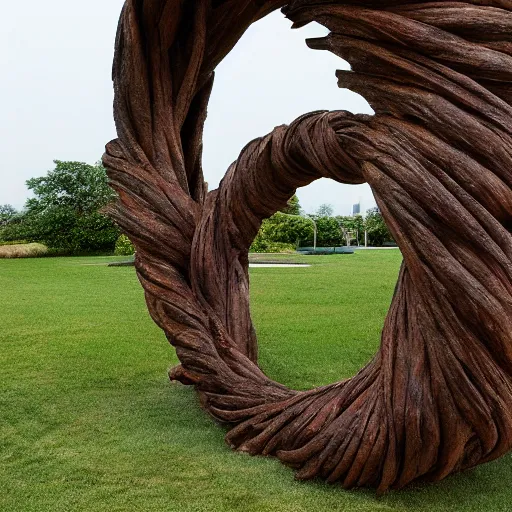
(356, 209)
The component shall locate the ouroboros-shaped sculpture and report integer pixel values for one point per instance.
(437, 398)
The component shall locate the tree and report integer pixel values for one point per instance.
(352, 228)
(76, 186)
(293, 207)
(328, 231)
(325, 210)
(285, 229)
(65, 210)
(378, 232)
(7, 213)
(10, 224)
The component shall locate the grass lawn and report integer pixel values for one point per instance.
(89, 421)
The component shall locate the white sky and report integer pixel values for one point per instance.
(56, 93)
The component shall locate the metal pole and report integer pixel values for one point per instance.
(365, 238)
(314, 234)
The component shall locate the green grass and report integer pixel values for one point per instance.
(89, 421)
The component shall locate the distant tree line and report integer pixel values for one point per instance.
(66, 213)
(292, 228)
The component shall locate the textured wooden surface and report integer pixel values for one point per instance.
(437, 398)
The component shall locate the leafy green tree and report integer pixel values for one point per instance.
(378, 232)
(17, 228)
(325, 210)
(14, 225)
(65, 211)
(293, 207)
(328, 231)
(286, 229)
(352, 229)
(7, 213)
(74, 185)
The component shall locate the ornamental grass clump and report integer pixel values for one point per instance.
(23, 251)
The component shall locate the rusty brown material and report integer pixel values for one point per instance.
(437, 398)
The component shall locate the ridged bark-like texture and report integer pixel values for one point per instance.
(437, 398)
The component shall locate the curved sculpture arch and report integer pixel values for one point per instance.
(437, 397)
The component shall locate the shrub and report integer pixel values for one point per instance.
(23, 251)
(124, 247)
(17, 230)
(262, 245)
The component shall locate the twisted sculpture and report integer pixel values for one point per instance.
(437, 398)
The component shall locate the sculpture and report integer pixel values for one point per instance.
(437, 398)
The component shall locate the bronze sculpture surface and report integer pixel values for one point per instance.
(437, 398)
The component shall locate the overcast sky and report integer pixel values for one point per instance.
(56, 93)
